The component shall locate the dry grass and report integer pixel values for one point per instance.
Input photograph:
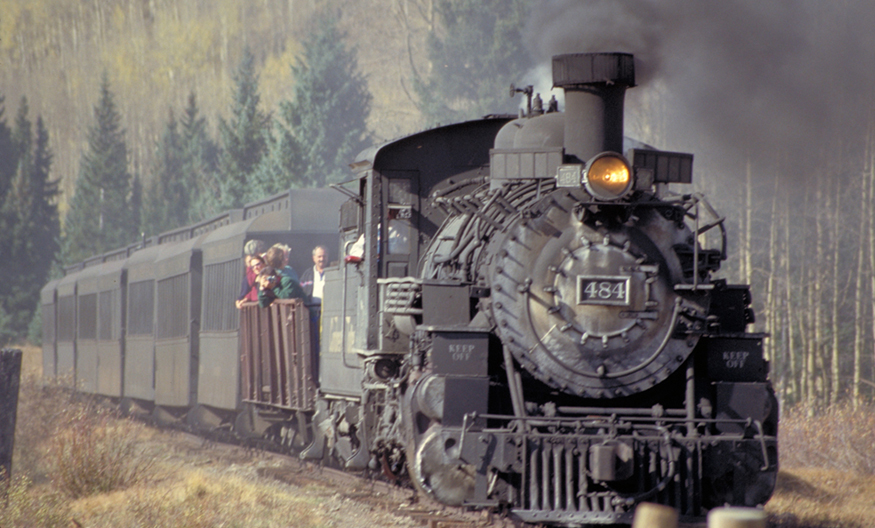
(840, 438)
(823, 498)
(33, 506)
(828, 475)
(198, 499)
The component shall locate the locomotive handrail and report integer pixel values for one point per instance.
(632, 418)
(761, 436)
(700, 199)
(342, 190)
(516, 392)
(343, 308)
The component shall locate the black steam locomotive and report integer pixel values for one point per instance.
(522, 318)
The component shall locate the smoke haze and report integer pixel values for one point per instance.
(776, 77)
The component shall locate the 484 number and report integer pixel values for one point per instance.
(602, 290)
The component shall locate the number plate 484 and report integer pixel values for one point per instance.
(603, 290)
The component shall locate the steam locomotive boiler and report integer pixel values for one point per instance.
(535, 325)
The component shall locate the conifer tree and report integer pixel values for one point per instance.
(29, 227)
(475, 52)
(102, 213)
(167, 200)
(13, 238)
(283, 166)
(8, 152)
(19, 147)
(199, 163)
(242, 138)
(44, 209)
(135, 202)
(325, 122)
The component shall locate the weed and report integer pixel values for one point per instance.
(29, 506)
(95, 452)
(40, 412)
(839, 437)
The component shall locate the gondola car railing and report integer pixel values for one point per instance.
(277, 361)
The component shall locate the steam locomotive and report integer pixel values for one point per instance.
(521, 318)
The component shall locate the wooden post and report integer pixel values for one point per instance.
(10, 371)
(649, 515)
(736, 518)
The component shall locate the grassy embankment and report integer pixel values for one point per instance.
(77, 464)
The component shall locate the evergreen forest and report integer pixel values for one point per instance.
(125, 118)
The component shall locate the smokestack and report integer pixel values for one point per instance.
(595, 86)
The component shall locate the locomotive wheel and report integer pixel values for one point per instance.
(436, 472)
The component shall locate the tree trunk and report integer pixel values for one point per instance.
(871, 248)
(777, 317)
(835, 366)
(746, 259)
(793, 373)
(817, 379)
(10, 372)
(858, 288)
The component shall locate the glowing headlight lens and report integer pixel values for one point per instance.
(607, 176)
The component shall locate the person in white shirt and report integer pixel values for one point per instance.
(313, 279)
(313, 282)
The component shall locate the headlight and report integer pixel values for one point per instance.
(607, 176)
